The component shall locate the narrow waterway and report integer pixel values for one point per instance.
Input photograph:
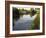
(24, 22)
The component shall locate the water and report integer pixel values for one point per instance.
(24, 22)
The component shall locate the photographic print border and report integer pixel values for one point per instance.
(7, 18)
(25, 31)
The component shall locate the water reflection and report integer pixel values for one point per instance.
(24, 22)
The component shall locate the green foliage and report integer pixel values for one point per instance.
(32, 27)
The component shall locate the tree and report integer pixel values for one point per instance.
(16, 14)
(33, 12)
